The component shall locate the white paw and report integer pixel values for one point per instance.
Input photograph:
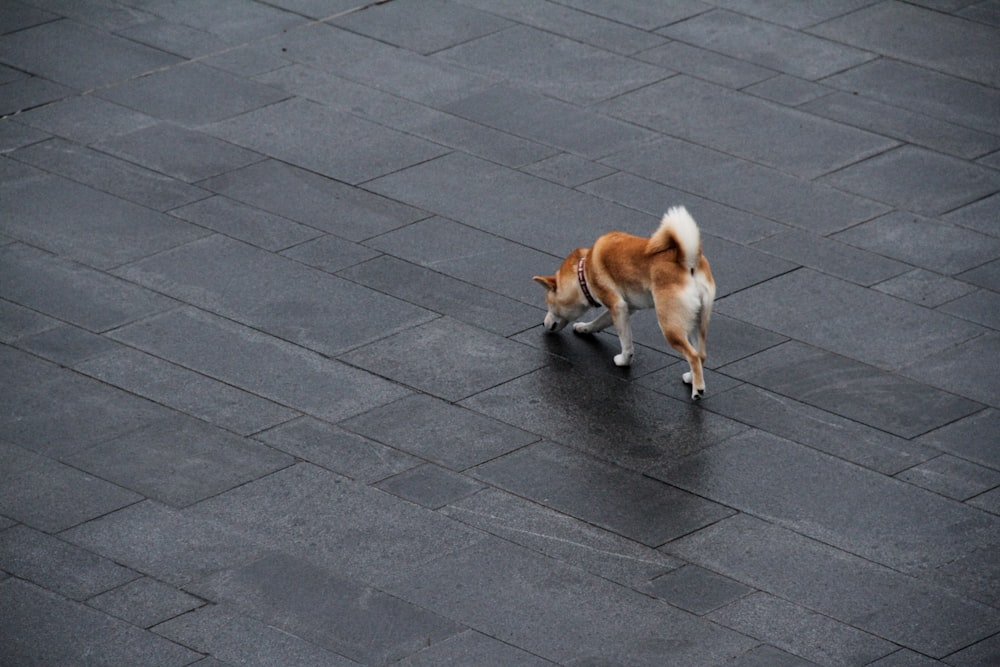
(623, 360)
(686, 377)
(697, 394)
(582, 327)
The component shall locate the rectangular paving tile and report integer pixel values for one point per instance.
(280, 296)
(209, 94)
(559, 612)
(571, 409)
(766, 44)
(852, 590)
(639, 14)
(255, 362)
(903, 527)
(442, 294)
(439, 431)
(480, 140)
(473, 648)
(84, 224)
(51, 496)
(44, 628)
(886, 401)
(969, 369)
(705, 64)
(446, 358)
(313, 200)
(86, 119)
(952, 477)
(256, 227)
(79, 56)
(430, 486)
(605, 495)
(786, 139)
(746, 186)
(792, 14)
(145, 602)
(179, 461)
(969, 438)
(831, 257)
(28, 93)
(918, 180)
(574, 72)
(906, 332)
(696, 589)
(319, 605)
(326, 141)
(921, 36)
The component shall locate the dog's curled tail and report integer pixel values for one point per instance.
(677, 230)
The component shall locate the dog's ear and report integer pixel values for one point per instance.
(548, 282)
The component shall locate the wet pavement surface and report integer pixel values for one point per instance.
(276, 389)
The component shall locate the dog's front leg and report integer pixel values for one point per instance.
(620, 315)
(599, 323)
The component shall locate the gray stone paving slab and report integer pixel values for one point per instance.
(86, 119)
(260, 364)
(605, 495)
(567, 169)
(920, 36)
(145, 602)
(972, 438)
(980, 215)
(766, 44)
(597, 622)
(981, 307)
(313, 200)
(439, 431)
(44, 628)
(854, 591)
(696, 589)
(329, 253)
(14, 16)
(20, 322)
(788, 90)
(952, 477)
(705, 64)
(640, 14)
(287, 299)
(480, 140)
(473, 648)
(924, 288)
(259, 228)
(180, 40)
(748, 127)
(30, 92)
(792, 14)
(908, 333)
(13, 135)
(851, 389)
(429, 486)
(969, 370)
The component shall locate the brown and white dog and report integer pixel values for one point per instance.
(625, 273)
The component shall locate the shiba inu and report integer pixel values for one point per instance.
(624, 273)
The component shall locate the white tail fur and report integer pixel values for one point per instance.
(679, 227)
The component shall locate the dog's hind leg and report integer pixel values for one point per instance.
(672, 324)
(599, 323)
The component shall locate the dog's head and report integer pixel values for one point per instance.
(563, 296)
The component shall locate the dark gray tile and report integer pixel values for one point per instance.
(255, 362)
(987, 275)
(437, 431)
(257, 227)
(430, 486)
(180, 40)
(57, 566)
(792, 14)
(179, 152)
(561, 537)
(343, 526)
(765, 655)
(952, 477)
(192, 94)
(314, 200)
(335, 449)
(86, 119)
(924, 288)
(746, 186)
(573, 410)
(904, 528)
(250, 59)
(788, 90)
(329, 253)
(28, 93)
(185, 390)
(971, 369)
(831, 257)
(854, 591)
(20, 322)
(696, 589)
(339, 615)
(324, 140)
(15, 16)
(51, 496)
(43, 628)
(566, 169)
(109, 174)
(242, 20)
(977, 655)
(669, 381)
(84, 224)
(179, 460)
(605, 495)
(915, 179)
(548, 121)
(801, 631)
(777, 136)
(970, 438)
(924, 242)
(13, 136)
(705, 64)
(906, 658)
(920, 36)
(274, 294)
(735, 267)
(422, 26)
(76, 55)
(472, 648)
(238, 638)
(640, 14)
(903, 124)
(480, 140)
(981, 215)
(66, 345)
(559, 612)
(145, 602)
(445, 295)
(446, 358)
(819, 429)
(906, 332)
(164, 543)
(851, 389)
(95, 13)
(574, 72)
(981, 307)
(767, 45)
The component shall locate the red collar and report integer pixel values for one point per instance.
(581, 276)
